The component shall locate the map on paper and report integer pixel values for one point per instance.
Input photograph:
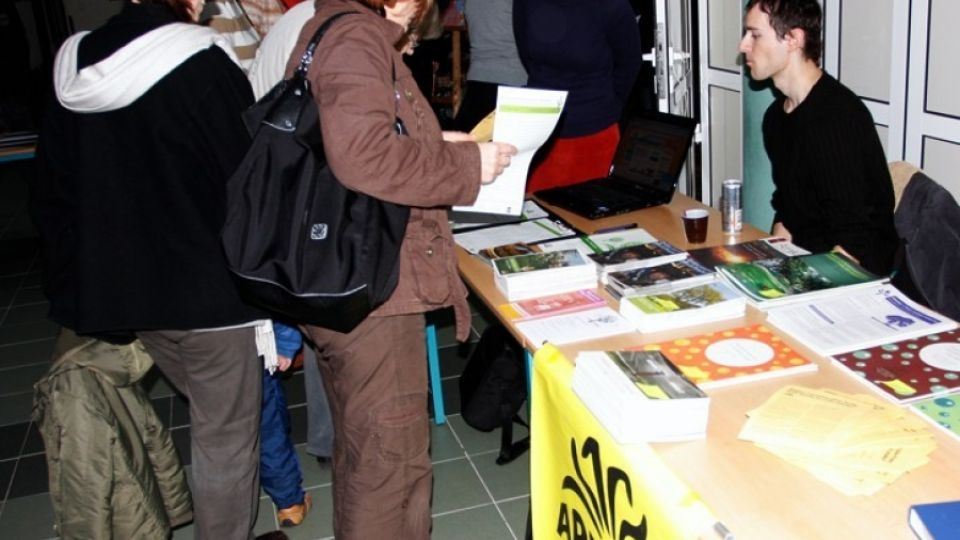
(525, 118)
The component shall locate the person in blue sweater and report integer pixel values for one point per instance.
(280, 474)
(592, 50)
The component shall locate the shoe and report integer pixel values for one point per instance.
(293, 515)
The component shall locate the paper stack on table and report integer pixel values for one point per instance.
(856, 443)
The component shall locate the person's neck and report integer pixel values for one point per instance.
(796, 81)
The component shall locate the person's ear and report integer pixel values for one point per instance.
(796, 39)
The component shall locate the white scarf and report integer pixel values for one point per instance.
(127, 74)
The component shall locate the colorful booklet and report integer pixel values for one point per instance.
(943, 412)
(910, 370)
(755, 250)
(556, 304)
(733, 356)
(639, 256)
(658, 278)
(781, 280)
(601, 242)
(682, 307)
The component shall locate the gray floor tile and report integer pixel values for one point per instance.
(157, 385)
(516, 513)
(29, 295)
(15, 408)
(6, 474)
(27, 518)
(22, 354)
(456, 486)
(34, 442)
(454, 358)
(30, 477)
(293, 388)
(504, 481)
(11, 441)
(20, 380)
(443, 445)
(483, 523)
(314, 474)
(474, 441)
(25, 314)
(24, 332)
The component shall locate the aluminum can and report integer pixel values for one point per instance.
(731, 206)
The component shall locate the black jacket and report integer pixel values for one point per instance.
(928, 221)
(129, 202)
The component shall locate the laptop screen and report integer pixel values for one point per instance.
(652, 149)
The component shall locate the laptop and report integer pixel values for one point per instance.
(645, 171)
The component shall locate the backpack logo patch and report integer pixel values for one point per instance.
(318, 231)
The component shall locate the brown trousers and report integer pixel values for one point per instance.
(376, 382)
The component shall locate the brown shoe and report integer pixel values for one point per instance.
(293, 515)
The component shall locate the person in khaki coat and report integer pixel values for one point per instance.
(375, 375)
(113, 469)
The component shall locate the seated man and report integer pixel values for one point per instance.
(833, 189)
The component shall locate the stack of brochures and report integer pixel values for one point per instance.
(639, 256)
(586, 325)
(663, 277)
(639, 396)
(549, 306)
(600, 242)
(683, 306)
(856, 443)
(754, 250)
(857, 319)
(528, 232)
(540, 274)
(771, 282)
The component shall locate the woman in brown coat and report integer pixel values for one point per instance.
(375, 375)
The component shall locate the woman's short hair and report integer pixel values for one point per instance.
(422, 7)
(785, 15)
(180, 8)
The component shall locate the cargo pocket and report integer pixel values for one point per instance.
(402, 429)
(430, 257)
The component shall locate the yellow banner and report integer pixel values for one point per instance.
(586, 486)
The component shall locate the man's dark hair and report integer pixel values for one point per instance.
(785, 15)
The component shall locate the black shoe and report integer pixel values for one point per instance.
(273, 535)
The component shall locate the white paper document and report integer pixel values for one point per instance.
(859, 319)
(527, 232)
(579, 326)
(525, 118)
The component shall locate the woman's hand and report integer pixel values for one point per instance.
(494, 158)
(284, 362)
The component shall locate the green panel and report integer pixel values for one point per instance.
(757, 179)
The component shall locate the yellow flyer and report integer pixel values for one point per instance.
(586, 485)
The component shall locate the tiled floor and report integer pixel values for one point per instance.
(471, 492)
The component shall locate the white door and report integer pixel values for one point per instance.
(673, 57)
(720, 88)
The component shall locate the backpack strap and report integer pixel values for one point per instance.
(307, 57)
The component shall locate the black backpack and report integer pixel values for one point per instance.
(298, 242)
(493, 388)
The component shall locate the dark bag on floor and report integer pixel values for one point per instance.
(299, 243)
(493, 388)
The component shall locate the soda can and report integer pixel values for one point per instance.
(731, 206)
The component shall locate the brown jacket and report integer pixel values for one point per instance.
(352, 78)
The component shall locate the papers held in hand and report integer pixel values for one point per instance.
(483, 131)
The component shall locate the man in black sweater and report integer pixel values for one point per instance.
(833, 188)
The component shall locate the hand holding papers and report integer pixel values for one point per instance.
(525, 117)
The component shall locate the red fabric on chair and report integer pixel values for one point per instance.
(575, 159)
